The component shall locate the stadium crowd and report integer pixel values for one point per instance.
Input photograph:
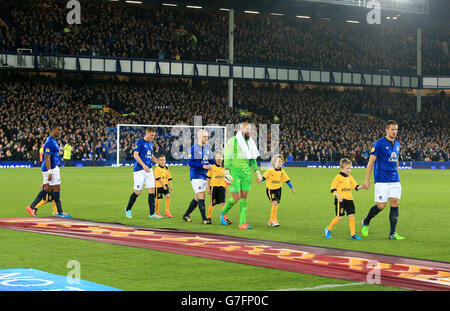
(123, 30)
(315, 124)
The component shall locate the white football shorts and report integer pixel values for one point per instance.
(142, 178)
(199, 185)
(387, 190)
(56, 177)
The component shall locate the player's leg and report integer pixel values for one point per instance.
(246, 182)
(167, 212)
(158, 198)
(138, 185)
(349, 207)
(55, 184)
(235, 189)
(394, 200)
(31, 209)
(381, 198)
(339, 211)
(201, 206)
(197, 187)
(151, 202)
(149, 182)
(212, 203)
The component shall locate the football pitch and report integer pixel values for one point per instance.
(101, 194)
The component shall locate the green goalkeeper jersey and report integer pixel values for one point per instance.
(233, 156)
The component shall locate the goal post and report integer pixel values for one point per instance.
(173, 141)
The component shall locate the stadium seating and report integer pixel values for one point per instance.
(123, 30)
(315, 124)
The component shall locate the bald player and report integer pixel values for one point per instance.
(200, 161)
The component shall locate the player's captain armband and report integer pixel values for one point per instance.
(47, 150)
(372, 150)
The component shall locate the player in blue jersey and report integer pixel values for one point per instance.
(383, 160)
(143, 173)
(50, 173)
(200, 160)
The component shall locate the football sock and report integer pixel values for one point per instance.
(393, 218)
(372, 213)
(56, 198)
(191, 207)
(201, 207)
(230, 203)
(243, 210)
(151, 203)
(351, 223)
(55, 208)
(41, 195)
(273, 213)
(157, 203)
(333, 223)
(167, 205)
(210, 210)
(131, 201)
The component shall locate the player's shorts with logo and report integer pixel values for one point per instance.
(218, 195)
(274, 194)
(160, 192)
(56, 177)
(242, 179)
(143, 179)
(346, 206)
(199, 185)
(387, 190)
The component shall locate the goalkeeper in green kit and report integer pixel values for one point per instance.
(240, 154)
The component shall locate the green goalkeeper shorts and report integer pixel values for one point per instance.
(242, 179)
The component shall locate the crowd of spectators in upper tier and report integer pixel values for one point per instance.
(123, 30)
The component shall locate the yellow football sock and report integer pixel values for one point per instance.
(40, 204)
(157, 203)
(167, 205)
(333, 223)
(210, 210)
(273, 213)
(55, 209)
(351, 222)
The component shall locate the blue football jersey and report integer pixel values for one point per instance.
(145, 150)
(51, 147)
(199, 156)
(385, 167)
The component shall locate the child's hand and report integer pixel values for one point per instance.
(293, 190)
(339, 198)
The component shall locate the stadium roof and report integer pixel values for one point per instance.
(436, 11)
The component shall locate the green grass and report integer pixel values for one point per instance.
(100, 194)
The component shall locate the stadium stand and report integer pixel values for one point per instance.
(313, 122)
(122, 30)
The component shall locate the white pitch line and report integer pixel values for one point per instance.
(318, 287)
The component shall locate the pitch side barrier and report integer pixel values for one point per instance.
(309, 164)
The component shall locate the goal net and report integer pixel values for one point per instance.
(172, 141)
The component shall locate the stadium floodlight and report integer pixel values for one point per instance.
(277, 14)
(224, 9)
(251, 12)
(352, 22)
(193, 6)
(303, 16)
(170, 4)
(133, 2)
